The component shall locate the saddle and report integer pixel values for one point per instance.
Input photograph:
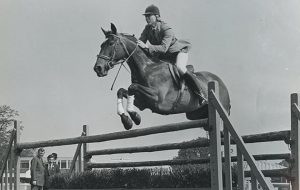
(179, 81)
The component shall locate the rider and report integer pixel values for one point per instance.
(162, 43)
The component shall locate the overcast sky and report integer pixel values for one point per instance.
(48, 50)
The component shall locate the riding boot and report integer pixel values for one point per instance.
(193, 83)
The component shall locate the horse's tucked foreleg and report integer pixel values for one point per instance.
(121, 94)
(130, 108)
(127, 123)
(130, 105)
(146, 97)
(148, 93)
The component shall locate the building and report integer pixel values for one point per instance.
(63, 162)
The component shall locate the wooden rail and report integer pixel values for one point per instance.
(255, 138)
(182, 162)
(116, 135)
(213, 100)
(295, 145)
(75, 157)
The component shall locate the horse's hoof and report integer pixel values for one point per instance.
(135, 117)
(127, 123)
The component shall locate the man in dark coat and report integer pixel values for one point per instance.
(37, 171)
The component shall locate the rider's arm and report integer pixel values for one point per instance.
(144, 36)
(167, 37)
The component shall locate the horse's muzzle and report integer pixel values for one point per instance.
(100, 71)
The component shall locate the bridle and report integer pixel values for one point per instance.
(111, 61)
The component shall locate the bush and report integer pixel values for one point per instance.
(132, 178)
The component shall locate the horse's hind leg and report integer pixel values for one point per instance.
(127, 123)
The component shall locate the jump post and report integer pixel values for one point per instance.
(227, 138)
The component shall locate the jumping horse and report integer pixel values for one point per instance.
(156, 84)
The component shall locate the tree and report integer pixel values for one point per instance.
(27, 153)
(7, 115)
(192, 153)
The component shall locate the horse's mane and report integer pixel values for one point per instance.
(131, 37)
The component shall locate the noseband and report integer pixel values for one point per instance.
(111, 61)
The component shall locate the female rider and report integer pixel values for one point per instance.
(162, 43)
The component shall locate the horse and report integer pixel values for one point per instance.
(156, 84)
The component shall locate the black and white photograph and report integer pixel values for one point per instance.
(149, 94)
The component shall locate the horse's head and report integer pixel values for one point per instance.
(113, 51)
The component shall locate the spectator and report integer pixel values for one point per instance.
(37, 171)
(51, 169)
(54, 156)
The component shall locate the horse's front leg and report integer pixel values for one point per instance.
(147, 97)
(127, 123)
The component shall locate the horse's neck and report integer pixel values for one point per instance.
(138, 64)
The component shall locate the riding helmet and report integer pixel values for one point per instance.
(152, 10)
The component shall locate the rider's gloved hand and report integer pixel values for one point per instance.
(142, 44)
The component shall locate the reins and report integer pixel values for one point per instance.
(122, 63)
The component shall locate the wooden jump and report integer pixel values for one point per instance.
(116, 135)
(227, 138)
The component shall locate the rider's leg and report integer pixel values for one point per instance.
(190, 78)
(181, 62)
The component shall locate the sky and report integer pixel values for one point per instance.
(48, 50)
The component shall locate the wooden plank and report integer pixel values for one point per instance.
(258, 174)
(215, 141)
(76, 155)
(267, 137)
(264, 137)
(85, 148)
(80, 161)
(295, 145)
(6, 176)
(253, 183)
(73, 163)
(203, 161)
(148, 163)
(16, 156)
(296, 110)
(227, 155)
(273, 173)
(240, 170)
(117, 135)
(284, 156)
(11, 165)
(153, 148)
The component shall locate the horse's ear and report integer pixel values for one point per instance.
(113, 28)
(104, 31)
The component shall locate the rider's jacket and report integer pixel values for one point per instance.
(162, 40)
